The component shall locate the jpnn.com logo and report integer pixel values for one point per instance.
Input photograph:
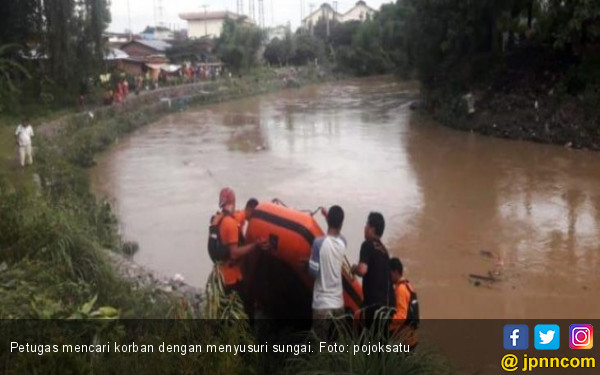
(516, 337)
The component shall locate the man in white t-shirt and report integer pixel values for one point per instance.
(325, 266)
(23, 137)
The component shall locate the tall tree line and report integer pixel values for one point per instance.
(60, 42)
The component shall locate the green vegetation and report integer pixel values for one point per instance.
(531, 65)
(530, 68)
(375, 46)
(238, 44)
(59, 43)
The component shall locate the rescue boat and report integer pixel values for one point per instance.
(290, 234)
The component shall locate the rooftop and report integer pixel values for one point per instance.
(115, 54)
(158, 45)
(200, 16)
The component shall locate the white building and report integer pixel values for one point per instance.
(278, 32)
(325, 11)
(157, 33)
(359, 12)
(210, 24)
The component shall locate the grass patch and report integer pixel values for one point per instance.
(420, 361)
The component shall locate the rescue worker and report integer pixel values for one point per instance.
(242, 217)
(405, 319)
(374, 268)
(229, 246)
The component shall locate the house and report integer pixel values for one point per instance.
(359, 12)
(278, 32)
(150, 51)
(325, 11)
(157, 33)
(209, 24)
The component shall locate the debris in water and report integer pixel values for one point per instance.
(488, 278)
(487, 254)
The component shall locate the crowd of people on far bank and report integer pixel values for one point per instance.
(387, 294)
(118, 91)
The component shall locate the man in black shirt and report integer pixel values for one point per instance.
(374, 267)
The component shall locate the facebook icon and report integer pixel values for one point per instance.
(516, 337)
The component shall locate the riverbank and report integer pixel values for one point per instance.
(54, 232)
(527, 99)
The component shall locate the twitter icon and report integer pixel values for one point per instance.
(547, 337)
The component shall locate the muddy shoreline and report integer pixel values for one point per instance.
(527, 101)
(535, 119)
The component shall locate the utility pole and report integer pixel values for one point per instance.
(335, 7)
(161, 11)
(311, 6)
(261, 13)
(327, 23)
(154, 8)
(129, 19)
(252, 11)
(301, 11)
(205, 20)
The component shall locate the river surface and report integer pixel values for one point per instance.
(456, 204)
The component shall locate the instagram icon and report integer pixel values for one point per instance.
(581, 336)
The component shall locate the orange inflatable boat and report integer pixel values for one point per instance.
(291, 234)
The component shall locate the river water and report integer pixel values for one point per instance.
(456, 204)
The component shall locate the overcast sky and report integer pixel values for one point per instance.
(277, 12)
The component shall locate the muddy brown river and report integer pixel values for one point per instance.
(522, 218)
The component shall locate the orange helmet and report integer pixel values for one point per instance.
(226, 196)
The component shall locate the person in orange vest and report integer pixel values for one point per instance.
(242, 216)
(226, 241)
(406, 318)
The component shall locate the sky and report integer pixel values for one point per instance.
(277, 12)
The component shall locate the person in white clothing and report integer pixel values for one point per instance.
(23, 138)
(325, 266)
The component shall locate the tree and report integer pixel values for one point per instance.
(275, 52)
(308, 49)
(191, 50)
(9, 72)
(239, 43)
(280, 51)
(73, 39)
